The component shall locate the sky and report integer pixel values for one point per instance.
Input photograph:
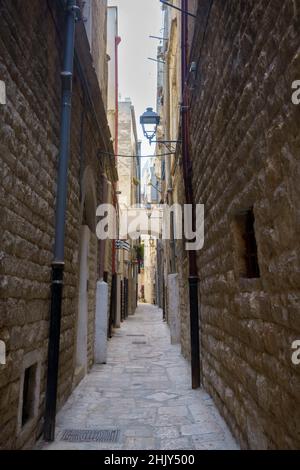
(138, 19)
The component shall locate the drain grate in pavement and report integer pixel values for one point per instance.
(135, 335)
(139, 342)
(90, 435)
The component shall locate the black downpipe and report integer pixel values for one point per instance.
(112, 309)
(164, 302)
(126, 298)
(187, 173)
(122, 302)
(60, 219)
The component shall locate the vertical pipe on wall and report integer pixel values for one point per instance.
(60, 220)
(187, 173)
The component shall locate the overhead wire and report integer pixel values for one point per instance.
(136, 156)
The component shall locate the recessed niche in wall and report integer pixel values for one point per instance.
(29, 390)
(246, 259)
(28, 393)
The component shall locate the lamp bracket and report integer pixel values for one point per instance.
(184, 12)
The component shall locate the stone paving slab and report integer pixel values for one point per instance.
(144, 391)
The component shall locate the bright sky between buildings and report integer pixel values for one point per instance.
(138, 19)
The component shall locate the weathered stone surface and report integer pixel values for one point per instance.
(144, 421)
(173, 308)
(245, 152)
(30, 66)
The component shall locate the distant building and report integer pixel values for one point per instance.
(129, 188)
(113, 41)
(151, 196)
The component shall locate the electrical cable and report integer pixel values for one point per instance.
(136, 156)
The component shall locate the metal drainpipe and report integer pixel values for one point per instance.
(187, 170)
(60, 218)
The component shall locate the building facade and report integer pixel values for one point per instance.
(113, 41)
(151, 197)
(129, 189)
(244, 149)
(31, 51)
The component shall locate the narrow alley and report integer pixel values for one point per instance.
(149, 222)
(143, 394)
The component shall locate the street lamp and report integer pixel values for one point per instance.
(150, 121)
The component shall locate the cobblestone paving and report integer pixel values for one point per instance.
(144, 391)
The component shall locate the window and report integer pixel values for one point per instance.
(28, 393)
(246, 246)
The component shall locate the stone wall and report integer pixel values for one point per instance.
(30, 51)
(99, 9)
(245, 145)
(182, 267)
(126, 147)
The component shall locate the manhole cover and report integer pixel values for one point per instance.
(90, 435)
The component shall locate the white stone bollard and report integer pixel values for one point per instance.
(2, 92)
(101, 322)
(2, 353)
(173, 308)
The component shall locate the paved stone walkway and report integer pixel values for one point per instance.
(144, 391)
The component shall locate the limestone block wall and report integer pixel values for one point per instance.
(99, 42)
(245, 145)
(182, 267)
(125, 165)
(30, 65)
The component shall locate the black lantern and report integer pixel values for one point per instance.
(150, 121)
